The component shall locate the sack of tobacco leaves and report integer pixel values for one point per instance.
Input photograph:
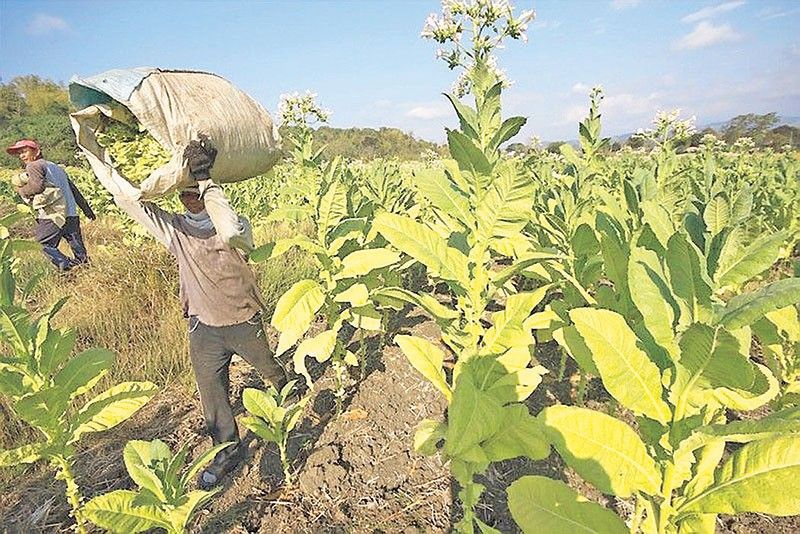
(137, 122)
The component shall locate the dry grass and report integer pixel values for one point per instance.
(127, 301)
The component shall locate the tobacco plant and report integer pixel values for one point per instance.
(163, 500)
(351, 265)
(479, 204)
(272, 418)
(677, 366)
(44, 384)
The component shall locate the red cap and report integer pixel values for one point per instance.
(23, 143)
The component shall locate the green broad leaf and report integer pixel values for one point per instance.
(261, 404)
(508, 129)
(658, 219)
(615, 250)
(584, 241)
(428, 434)
(428, 359)
(144, 460)
(516, 386)
(604, 451)
(712, 359)
(427, 302)
(445, 196)
(748, 308)
(469, 156)
(295, 311)
(55, 350)
(652, 297)
(708, 459)
(627, 373)
(181, 516)
(698, 524)
(111, 407)
(13, 326)
(688, 277)
(367, 318)
(425, 246)
(290, 213)
(319, 347)
(753, 260)
(282, 246)
(486, 529)
(83, 371)
(570, 340)
(763, 477)
(507, 329)
(466, 115)
(42, 408)
(520, 434)
(116, 512)
(260, 428)
(13, 381)
(543, 320)
(717, 215)
(332, 208)
(361, 262)
(355, 295)
(201, 461)
(474, 415)
(540, 504)
(347, 230)
(26, 454)
(506, 207)
(764, 388)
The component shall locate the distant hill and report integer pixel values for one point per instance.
(788, 121)
(369, 143)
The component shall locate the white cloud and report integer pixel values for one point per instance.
(580, 89)
(573, 115)
(43, 24)
(428, 112)
(547, 24)
(624, 4)
(771, 13)
(712, 11)
(706, 34)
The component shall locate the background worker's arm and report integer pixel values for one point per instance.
(37, 173)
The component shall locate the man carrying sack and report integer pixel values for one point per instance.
(219, 294)
(46, 187)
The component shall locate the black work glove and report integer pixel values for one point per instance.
(200, 156)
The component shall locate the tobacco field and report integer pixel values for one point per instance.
(571, 341)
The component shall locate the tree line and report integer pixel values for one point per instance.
(33, 107)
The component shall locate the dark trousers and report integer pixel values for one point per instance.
(49, 235)
(211, 349)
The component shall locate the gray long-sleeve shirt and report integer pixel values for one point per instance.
(216, 283)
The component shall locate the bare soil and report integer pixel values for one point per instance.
(354, 472)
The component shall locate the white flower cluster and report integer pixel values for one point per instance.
(489, 22)
(296, 110)
(710, 141)
(669, 127)
(744, 144)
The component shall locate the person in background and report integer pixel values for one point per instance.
(218, 292)
(55, 220)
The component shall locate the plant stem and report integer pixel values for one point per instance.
(287, 475)
(637, 515)
(72, 492)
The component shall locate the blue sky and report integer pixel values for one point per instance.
(366, 61)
